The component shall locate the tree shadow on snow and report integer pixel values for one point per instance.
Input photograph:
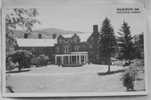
(111, 72)
(10, 89)
(18, 71)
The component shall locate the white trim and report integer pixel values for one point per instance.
(76, 54)
(79, 94)
(3, 53)
(146, 52)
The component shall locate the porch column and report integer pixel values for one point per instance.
(87, 58)
(79, 58)
(55, 59)
(61, 59)
(76, 59)
(84, 59)
(68, 59)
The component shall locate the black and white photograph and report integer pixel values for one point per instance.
(74, 50)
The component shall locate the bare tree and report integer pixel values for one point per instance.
(18, 18)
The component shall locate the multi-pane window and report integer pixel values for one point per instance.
(57, 49)
(76, 48)
(66, 49)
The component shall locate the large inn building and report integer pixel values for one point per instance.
(65, 50)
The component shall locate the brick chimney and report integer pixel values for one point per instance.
(95, 28)
(25, 35)
(39, 36)
(54, 36)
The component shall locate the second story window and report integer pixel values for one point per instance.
(76, 48)
(66, 49)
(57, 49)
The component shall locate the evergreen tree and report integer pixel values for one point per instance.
(18, 18)
(107, 42)
(126, 44)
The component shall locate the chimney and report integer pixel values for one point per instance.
(95, 28)
(39, 36)
(54, 36)
(26, 35)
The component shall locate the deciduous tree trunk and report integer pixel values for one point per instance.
(109, 63)
(109, 68)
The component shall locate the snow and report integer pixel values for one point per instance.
(36, 42)
(54, 79)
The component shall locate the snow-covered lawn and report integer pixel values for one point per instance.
(54, 69)
(51, 79)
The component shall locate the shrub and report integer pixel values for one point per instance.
(22, 57)
(9, 64)
(41, 60)
(129, 78)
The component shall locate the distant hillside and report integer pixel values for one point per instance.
(46, 33)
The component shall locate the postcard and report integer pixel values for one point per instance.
(74, 49)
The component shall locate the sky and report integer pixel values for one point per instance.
(48, 3)
(81, 17)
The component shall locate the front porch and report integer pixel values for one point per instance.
(72, 59)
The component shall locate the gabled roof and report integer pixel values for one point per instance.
(36, 42)
(83, 36)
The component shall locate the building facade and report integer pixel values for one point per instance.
(67, 51)
(71, 51)
(93, 45)
(38, 47)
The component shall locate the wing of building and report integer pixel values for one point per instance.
(68, 49)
